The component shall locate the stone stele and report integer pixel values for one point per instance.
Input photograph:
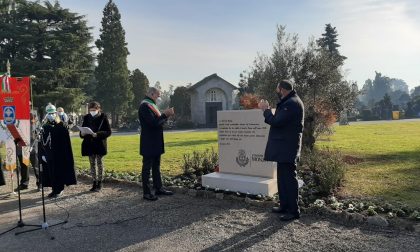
(242, 137)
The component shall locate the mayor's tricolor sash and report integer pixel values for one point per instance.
(152, 106)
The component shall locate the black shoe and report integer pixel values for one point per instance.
(162, 191)
(55, 195)
(150, 197)
(93, 189)
(98, 186)
(278, 210)
(289, 217)
(21, 187)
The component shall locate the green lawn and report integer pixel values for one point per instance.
(390, 168)
(123, 151)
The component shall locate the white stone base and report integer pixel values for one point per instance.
(241, 183)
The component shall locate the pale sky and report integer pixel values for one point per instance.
(182, 41)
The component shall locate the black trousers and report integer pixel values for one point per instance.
(24, 171)
(33, 158)
(2, 181)
(288, 187)
(153, 163)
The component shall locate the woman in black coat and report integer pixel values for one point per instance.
(55, 154)
(94, 145)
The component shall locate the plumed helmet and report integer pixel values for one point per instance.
(50, 108)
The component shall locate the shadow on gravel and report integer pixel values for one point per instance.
(251, 236)
(124, 219)
(113, 219)
(10, 205)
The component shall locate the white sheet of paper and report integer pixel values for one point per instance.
(85, 130)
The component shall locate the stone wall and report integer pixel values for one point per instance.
(201, 95)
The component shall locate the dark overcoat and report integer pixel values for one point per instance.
(151, 136)
(286, 127)
(55, 145)
(96, 145)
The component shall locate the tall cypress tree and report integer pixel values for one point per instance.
(113, 86)
(140, 85)
(328, 41)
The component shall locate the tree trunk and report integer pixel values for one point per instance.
(308, 138)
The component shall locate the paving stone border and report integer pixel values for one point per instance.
(341, 217)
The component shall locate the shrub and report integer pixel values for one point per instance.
(200, 163)
(371, 211)
(415, 215)
(249, 101)
(325, 168)
(209, 161)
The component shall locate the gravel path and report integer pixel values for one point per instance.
(117, 219)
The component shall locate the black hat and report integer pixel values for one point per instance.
(286, 84)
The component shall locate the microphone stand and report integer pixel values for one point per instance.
(20, 222)
(44, 225)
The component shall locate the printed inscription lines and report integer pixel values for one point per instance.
(230, 132)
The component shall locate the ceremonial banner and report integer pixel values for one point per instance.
(14, 114)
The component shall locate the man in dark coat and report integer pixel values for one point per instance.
(284, 145)
(55, 154)
(151, 142)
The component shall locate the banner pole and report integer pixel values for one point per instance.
(12, 190)
(31, 98)
(12, 193)
(8, 66)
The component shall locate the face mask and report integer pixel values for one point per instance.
(61, 113)
(159, 100)
(93, 113)
(51, 117)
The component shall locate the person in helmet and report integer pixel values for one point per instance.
(55, 154)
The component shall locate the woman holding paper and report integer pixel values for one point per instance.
(95, 133)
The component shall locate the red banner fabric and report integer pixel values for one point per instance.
(18, 96)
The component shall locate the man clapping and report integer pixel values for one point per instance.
(151, 142)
